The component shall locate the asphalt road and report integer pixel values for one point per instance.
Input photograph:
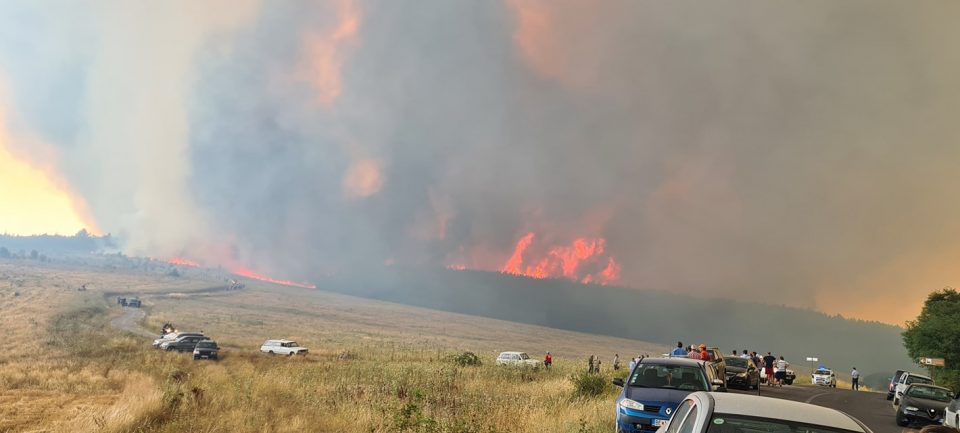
(872, 408)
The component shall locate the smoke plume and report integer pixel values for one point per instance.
(797, 153)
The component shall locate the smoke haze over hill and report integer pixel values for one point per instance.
(796, 153)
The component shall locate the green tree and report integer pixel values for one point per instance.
(936, 334)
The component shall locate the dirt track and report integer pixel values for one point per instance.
(130, 321)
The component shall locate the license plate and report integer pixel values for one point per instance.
(659, 422)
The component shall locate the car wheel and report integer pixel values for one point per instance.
(169, 349)
(289, 353)
(896, 401)
(901, 421)
(270, 352)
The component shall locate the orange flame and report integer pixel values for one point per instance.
(575, 261)
(180, 261)
(247, 273)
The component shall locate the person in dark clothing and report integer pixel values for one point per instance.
(768, 367)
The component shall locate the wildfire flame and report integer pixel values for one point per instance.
(247, 273)
(579, 261)
(242, 271)
(180, 261)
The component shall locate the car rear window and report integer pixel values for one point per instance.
(918, 379)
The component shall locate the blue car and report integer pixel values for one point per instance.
(656, 386)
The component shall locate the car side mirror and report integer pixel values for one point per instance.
(719, 385)
(617, 381)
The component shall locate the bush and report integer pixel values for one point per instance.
(588, 385)
(467, 359)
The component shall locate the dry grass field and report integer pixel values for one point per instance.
(373, 366)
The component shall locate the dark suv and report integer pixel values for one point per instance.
(206, 349)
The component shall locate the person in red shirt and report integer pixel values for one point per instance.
(548, 360)
(704, 355)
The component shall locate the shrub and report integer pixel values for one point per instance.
(467, 359)
(588, 385)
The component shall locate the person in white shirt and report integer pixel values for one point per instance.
(855, 375)
(745, 355)
(780, 372)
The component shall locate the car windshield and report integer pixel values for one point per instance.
(290, 344)
(723, 423)
(668, 376)
(207, 345)
(823, 372)
(736, 362)
(524, 356)
(917, 379)
(929, 393)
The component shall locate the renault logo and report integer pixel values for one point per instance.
(669, 410)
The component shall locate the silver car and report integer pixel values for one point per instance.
(728, 413)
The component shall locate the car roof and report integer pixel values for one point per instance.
(672, 361)
(786, 410)
(918, 375)
(511, 353)
(281, 341)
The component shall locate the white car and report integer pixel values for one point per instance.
(951, 416)
(906, 380)
(729, 412)
(824, 377)
(517, 358)
(283, 347)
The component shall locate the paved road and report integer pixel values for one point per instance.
(870, 407)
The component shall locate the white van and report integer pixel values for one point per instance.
(283, 347)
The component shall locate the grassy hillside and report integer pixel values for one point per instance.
(646, 315)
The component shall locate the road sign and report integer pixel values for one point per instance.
(933, 362)
(812, 359)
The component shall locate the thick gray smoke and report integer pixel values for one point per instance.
(799, 153)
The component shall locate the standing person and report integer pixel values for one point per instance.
(548, 360)
(633, 364)
(678, 351)
(768, 367)
(781, 373)
(704, 355)
(693, 353)
(745, 354)
(597, 367)
(590, 364)
(855, 375)
(756, 359)
(616, 361)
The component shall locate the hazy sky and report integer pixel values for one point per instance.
(802, 153)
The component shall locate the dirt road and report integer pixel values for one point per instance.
(130, 321)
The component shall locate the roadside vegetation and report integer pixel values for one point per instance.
(935, 334)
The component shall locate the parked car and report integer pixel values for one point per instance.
(656, 386)
(742, 373)
(824, 377)
(907, 379)
(789, 377)
(183, 343)
(133, 303)
(206, 349)
(121, 301)
(517, 358)
(891, 390)
(716, 357)
(283, 347)
(951, 417)
(173, 336)
(730, 413)
(923, 404)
